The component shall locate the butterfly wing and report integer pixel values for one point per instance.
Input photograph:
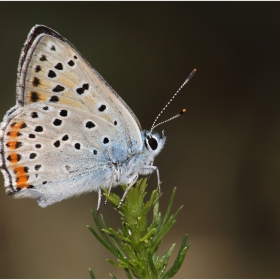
(50, 66)
(69, 126)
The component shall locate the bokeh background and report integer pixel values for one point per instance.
(223, 155)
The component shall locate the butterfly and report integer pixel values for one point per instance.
(70, 132)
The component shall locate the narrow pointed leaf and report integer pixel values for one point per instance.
(91, 273)
(105, 238)
(115, 233)
(127, 272)
(169, 206)
(117, 245)
(147, 235)
(161, 272)
(165, 257)
(115, 264)
(151, 264)
(99, 238)
(179, 259)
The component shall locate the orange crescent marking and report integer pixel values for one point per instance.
(22, 177)
(13, 158)
(13, 134)
(12, 145)
(17, 125)
(15, 129)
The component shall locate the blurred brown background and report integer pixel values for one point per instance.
(223, 155)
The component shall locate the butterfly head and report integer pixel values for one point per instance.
(153, 141)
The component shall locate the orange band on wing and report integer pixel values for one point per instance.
(21, 172)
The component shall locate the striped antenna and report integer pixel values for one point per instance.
(179, 114)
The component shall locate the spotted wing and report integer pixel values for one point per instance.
(52, 69)
(54, 151)
(69, 126)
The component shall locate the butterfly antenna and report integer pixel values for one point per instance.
(181, 112)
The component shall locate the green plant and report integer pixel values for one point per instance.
(136, 244)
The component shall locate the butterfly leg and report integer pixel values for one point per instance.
(115, 172)
(127, 190)
(99, 200)
(154, 168)
(106, 199)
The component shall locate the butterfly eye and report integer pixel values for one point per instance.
(153, 143)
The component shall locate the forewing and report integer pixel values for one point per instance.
(51, 68)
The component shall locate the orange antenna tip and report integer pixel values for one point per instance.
(183, 111)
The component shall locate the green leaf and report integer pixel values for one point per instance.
(91, 273)
(179, 260)
(163, 261)
(120, 250)
(165, 217)
(161, 271)
(144, 238)
(105, 238)
(152, 266)
(116, 264)
(98, 237)
(127, 273)
(116, 234)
